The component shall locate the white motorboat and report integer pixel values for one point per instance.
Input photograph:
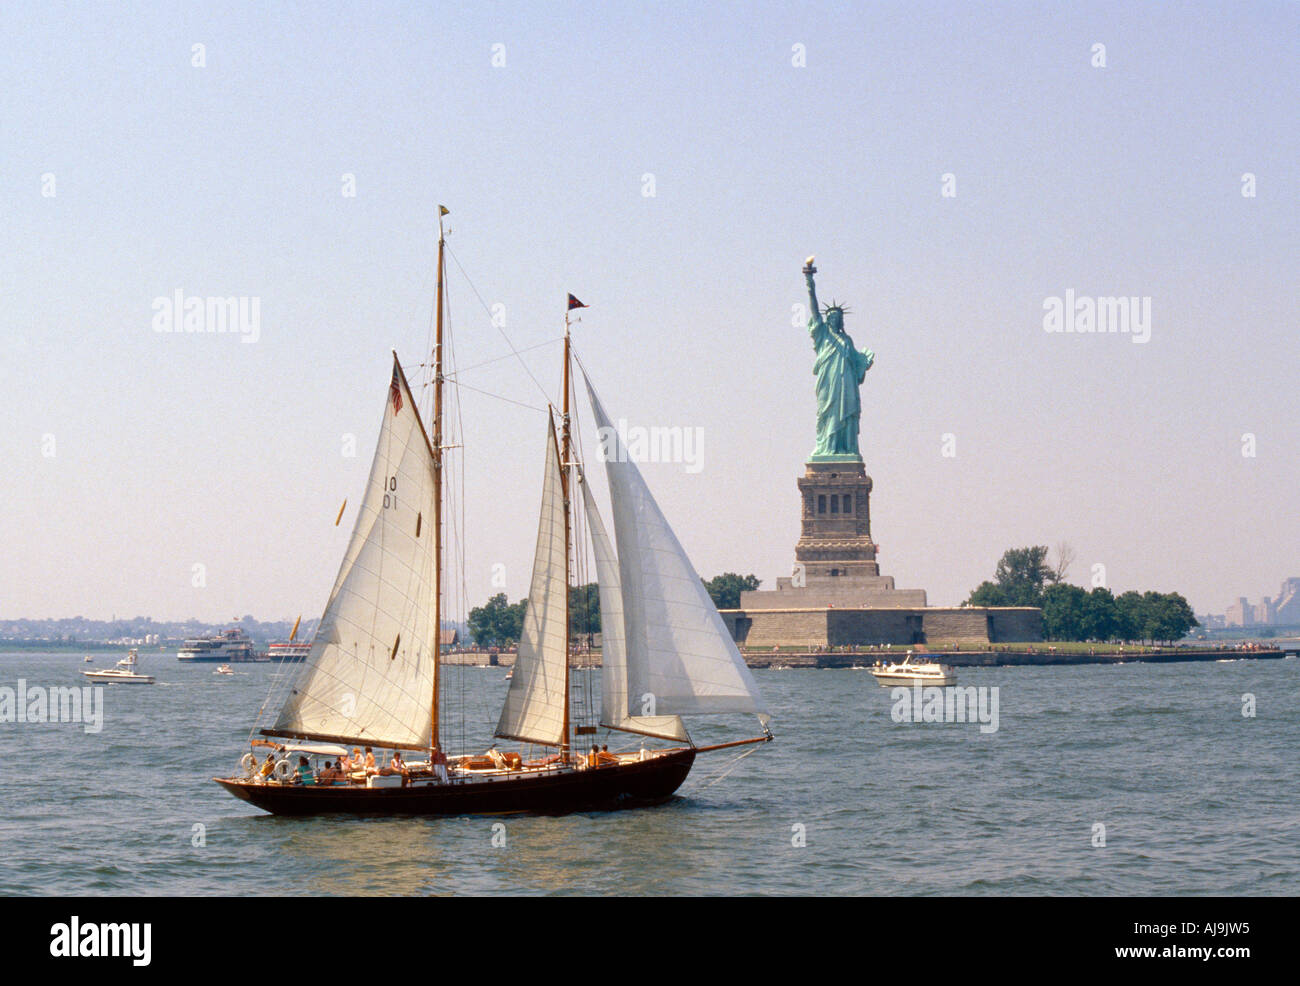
(224, 669)
(911, 672)
(123, 673)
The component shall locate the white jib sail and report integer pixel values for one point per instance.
(615, 710)
(369, 675)
(534, 707)
(680, 658)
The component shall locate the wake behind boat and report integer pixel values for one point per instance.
(122, 673)
(910, 672)
(372, 677)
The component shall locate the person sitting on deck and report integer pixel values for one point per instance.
(593, 758)
(305, 775)
(268, 766)
(345, 763)
(330, 775)
(604, 756)
(396, 766)
(438, 760)
(370, 761)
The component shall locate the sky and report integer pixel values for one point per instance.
(672, 165)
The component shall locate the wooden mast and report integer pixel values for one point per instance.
(564, 487)
(437, 491)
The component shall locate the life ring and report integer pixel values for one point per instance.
(284, 769)
(249, 763)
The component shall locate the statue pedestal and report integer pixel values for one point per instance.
(835, 538)
(835, 556)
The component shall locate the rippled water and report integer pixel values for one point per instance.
(1194, 797)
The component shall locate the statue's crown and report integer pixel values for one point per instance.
(833, 307)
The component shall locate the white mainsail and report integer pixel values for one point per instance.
(369, 676)
(680, 658)
(534, 707)
(615, 709)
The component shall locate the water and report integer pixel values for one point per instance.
(1194, 797)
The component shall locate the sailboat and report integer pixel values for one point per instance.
(372, 677)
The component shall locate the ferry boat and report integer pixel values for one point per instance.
(230, 645)
(914, 673)
(123, 673)
(289, 650)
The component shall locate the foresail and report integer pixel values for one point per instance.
(369, 674)
(615, 708)
(680, 658)
(534, 707)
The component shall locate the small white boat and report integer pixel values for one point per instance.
(914, 673)
(224, 669)
(88, 659)
(123, 673)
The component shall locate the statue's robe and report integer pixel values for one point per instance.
(840, 370)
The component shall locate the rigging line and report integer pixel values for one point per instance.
(457, 521)
(498, 359)
(730, 768)
(498, 328)
(488, 393)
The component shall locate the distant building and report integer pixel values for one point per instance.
(448, 640)
(1239, 614)
(1286, 608)
(1282, 611)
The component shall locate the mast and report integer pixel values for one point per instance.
(437, 490)
(564, 487)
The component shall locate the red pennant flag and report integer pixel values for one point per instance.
(575, 303)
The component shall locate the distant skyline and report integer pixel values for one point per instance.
(672, 166)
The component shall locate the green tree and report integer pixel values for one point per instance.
(497, 623)
(1065, 609)
(1023, 573)
(725, 589)
(1101, 616)
(1169, 617)
(987, 594)
(584, 610)
(1130, 615)
(1021, 576)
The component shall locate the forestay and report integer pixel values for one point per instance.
(369, 675)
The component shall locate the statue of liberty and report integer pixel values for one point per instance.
(840, 370)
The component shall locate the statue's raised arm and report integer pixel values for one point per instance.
(808, 271)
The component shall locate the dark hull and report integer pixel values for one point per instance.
(623, 786)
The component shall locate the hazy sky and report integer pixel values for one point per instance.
(129, 173)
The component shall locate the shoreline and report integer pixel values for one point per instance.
(1009, 656)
